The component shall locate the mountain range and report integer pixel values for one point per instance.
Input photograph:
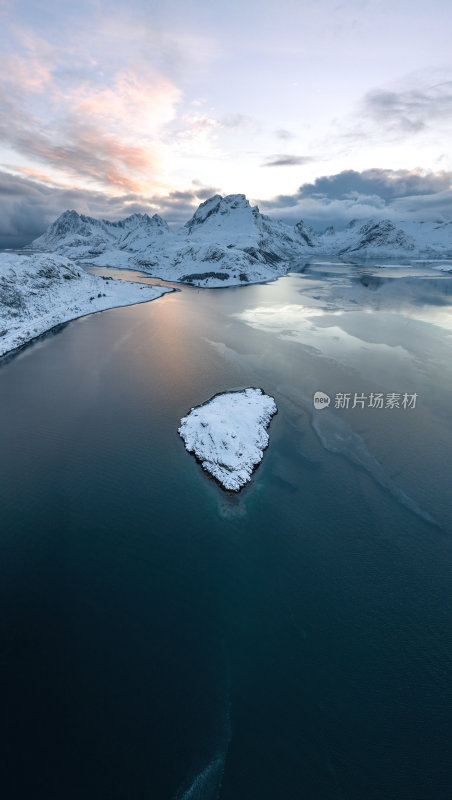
(228, 241)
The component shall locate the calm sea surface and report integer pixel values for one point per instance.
(162, 639)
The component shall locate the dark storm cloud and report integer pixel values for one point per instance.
(28, 206)
(384, 183)
(321, 213)
(437, 205)
(281, 160)
(281, 201)
(397, 194)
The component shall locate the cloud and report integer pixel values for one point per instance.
(237, 121)
(384, 183)
(106, 135)
(28, 206)
(283, 133)
(196, 129)
(415, 111)
(281, 160)
(95, 121)
(102, 108)
(428, 206)
(321, 213)
(397, 194)
(410, 110)
(31, 201)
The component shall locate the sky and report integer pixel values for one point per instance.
(317, 110)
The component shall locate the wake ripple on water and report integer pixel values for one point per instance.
(337, 437)
(207, 783)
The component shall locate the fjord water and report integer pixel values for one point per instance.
(164, 639)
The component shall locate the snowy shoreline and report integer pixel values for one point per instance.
(227, 434)
(39, 293)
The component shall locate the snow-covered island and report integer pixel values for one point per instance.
(228, 434)
(39, 292)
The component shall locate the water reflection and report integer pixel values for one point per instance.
(327, 337)
(394, 286)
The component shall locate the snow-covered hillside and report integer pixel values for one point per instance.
(382, 238)
(374, 238)
(431, 238)
(227, 241)
(38, 292)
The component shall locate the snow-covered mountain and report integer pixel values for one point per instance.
(227, 241)
(431, 239)
(382, 238)
(227, 235)
(79, 236)
(373, 239)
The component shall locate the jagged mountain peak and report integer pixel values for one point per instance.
(381, 234)
(377, 225)
(69, 214)
(137, 217)
(221, 206)
(237, 201)
(205, 210)
(142, 220)
(305, 232)
(158, 220)
(71, 221)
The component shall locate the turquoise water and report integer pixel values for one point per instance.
(164, 639)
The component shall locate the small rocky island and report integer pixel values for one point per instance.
(228, 434)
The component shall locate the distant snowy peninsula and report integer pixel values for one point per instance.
(229, 242)
(228, 434)
(38, 292)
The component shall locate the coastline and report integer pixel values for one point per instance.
(16, 340)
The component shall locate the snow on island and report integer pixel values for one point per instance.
(38, 292)
(228, 434)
